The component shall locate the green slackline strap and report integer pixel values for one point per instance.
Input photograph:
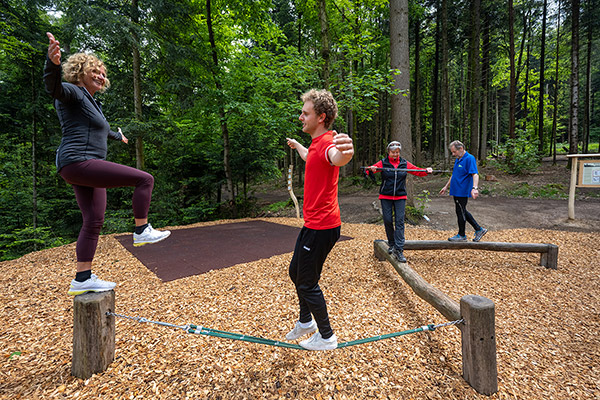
(200, 330)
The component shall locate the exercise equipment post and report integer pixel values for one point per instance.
(93, 333)
(477, 330)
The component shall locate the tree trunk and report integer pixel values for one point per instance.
(485, 88)
(417, 89)
(588, 80)
(574, 99)
(475, 73)
(34, 80)
(222, 116)
(324, 42)
(513, 81)
(137, 86)
(435, 97)
(445, 83)
(556, 86)
(541, 135)
(399, 61)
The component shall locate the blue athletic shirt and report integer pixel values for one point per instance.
(462, 176)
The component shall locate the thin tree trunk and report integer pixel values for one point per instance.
(222, 116)
(588, 81)
(574, 98)
(513, 81)
(541, 134)
(324, 41)
(137, 86)
(475, 73)
(435, 98)
(445, 83)
(33, 154)
(417, 89)
(556, 86)
(485, 89)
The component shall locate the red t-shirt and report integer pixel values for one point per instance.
(320, 208)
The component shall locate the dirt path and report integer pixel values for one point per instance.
(492, 212)
(498, 208)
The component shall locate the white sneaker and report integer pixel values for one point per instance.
(316, 342)
(149, 235)
(298, 331)
(93, 284)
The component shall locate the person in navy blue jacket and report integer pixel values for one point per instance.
(81, 158)
(464, 184)
(392, 194)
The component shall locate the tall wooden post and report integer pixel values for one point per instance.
(93, 333)
(479, 343)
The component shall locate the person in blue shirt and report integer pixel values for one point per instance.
(464, 184)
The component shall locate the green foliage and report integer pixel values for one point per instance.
(22, 241)
(524, 156)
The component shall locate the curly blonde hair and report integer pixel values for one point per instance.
(323, 102)
(80, 64)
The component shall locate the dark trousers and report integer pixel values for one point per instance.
(391, 209)
(312, 248)
(89, 180)
(463, 215)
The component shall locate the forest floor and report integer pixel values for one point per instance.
(546, 320)
(537, 200)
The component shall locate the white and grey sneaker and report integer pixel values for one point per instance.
(316, 342)
(93, 284)
(299, 331)
(149, 235)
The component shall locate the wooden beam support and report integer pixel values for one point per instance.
(432, 295)
(93, 333)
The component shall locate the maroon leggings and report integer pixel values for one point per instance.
(90, 179)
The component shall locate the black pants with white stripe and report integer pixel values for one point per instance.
(312, 248)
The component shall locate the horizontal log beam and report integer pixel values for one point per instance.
(549, 252)
(432, 295)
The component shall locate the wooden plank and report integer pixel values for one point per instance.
(548, 251)
(492, 246)
(93, 333)
(432, 295)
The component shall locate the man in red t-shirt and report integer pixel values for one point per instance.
(327, 152)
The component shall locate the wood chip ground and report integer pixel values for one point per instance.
(547, 324)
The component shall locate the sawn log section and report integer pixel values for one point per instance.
(548, 252)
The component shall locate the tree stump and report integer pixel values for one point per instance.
(93, 333)
(479, 344)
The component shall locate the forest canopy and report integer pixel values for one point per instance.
(207, 91)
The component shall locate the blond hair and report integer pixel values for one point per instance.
(80, 64)
(324, 103)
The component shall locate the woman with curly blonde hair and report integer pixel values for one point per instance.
(81, 158)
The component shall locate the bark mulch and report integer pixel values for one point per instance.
(546, 324)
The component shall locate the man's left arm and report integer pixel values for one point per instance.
(475, 188)
(343, 151)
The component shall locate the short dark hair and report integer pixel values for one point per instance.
(324, 103)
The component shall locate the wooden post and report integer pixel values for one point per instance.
(550, 259)
(93, 333)
(479, 343)
(572, 186)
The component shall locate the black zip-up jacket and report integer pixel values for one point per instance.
(84, 127)
(393, 183)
